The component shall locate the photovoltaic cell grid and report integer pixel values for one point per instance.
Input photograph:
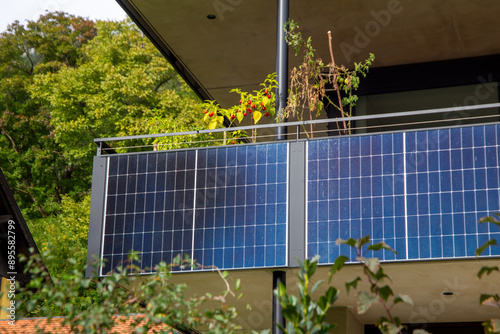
(222, 206)
(422, 193)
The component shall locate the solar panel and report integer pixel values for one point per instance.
(421, 192)
(224, 206)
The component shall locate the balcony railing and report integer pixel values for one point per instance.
(356, 125)
(422, 191)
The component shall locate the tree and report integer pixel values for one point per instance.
(64, 235)
(121, 89)
(161, 305)
(64, 81)
(32, 161)
(304, 315)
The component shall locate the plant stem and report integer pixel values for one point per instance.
(374, 287)
(335, 85)
(253, 139)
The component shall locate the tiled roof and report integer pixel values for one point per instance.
(30, 325)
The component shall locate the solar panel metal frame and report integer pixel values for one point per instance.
(104, 174)
(493, 136)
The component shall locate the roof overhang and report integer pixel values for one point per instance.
(10, 215)
(237, 48)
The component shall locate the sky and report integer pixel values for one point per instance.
(23, 10)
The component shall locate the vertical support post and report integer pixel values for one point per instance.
(281, 67)
(99, 148)
(96, 219)
(278, 319)
(297, 203)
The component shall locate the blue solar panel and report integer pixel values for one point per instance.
(421, 192)
(223, 206)
(241, 206)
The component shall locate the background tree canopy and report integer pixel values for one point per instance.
(65, 80)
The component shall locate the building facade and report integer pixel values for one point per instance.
(420, 168)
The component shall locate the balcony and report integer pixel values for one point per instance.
(417, 180)
(264, 204)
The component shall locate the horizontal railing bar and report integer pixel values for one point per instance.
(188, 143)
(299, 123)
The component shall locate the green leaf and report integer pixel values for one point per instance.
(315, 287)
(331, 295)
(365, 301)
(486, 270)
(352, 284)
(403, 299)
(351, 242)
(381, 245)
(491, 220)
(362, 241)
(380, 274)
(385, 292)
(373, 264)
(319, 108)
(281, 289)
(302, 291)
(487, 244)
(337, 265)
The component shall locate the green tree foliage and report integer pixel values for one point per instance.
(303, 313)
(306, 315)
(65, 235)
(64, 81)
(121, 89)
(33, 162)
(162, 305)
(375, 276)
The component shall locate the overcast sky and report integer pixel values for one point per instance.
(22, 10)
